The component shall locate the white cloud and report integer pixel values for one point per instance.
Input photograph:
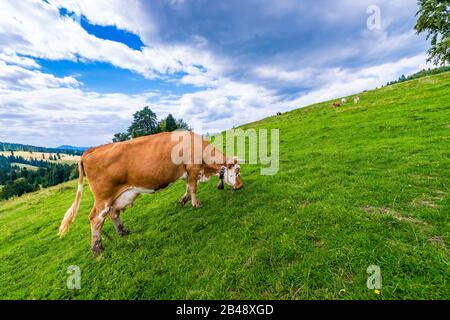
(338, 83)
(53, 116)
(14, 59)
(285, 76)
(19, 78)
(40, 108)
(125, 15)
(35, 28)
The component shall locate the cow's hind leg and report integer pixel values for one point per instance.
(97, 218)
(114, 214)
(185, 197)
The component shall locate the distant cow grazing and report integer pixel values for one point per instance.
(356, 99)
(119, 172)
(335, 104)
(344, 100)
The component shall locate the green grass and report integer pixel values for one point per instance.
(364, 184)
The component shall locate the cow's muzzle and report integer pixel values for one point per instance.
(237, 187)
(238, 184)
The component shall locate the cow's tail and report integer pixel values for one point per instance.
(71, 213)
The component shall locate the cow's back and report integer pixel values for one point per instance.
(143, 162)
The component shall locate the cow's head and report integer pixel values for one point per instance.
(231, 174)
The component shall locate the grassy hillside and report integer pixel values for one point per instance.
(364, 184)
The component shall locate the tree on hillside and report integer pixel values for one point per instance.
(171, 124)
(144, 123)
(16, 188)
(181, 124)
(162, 125)
(434, 19)
(121, 136)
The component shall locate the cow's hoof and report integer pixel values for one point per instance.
(97, 248)
(198, 204)
(122, 231)
(183, 201)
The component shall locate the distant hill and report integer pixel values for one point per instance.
(66, 147)
(6, 146)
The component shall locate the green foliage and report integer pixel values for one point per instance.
(19, 180)
(170, 124)
(162, 125)
(181, 124)
(145, 123)
(121, 136)
(434, 19)
(363, 184)
(74, 173)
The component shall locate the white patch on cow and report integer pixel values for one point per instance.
(102, 215)
(201, 177)
(143, 190)
(184, 176)
(80, 188)
(127, 197)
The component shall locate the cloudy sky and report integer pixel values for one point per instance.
(74, 71)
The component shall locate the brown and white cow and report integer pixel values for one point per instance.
(335, 104)
(119, 172)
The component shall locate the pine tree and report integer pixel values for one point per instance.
(171, 124)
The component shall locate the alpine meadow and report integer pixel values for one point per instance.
(364, 184)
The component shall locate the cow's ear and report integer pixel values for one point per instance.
(231, 162)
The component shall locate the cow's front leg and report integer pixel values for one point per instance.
(185, 197)
(192, 185)
(115, 218)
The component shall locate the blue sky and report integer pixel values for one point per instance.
(74, 72)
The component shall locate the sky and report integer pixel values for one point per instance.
(74, 71)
